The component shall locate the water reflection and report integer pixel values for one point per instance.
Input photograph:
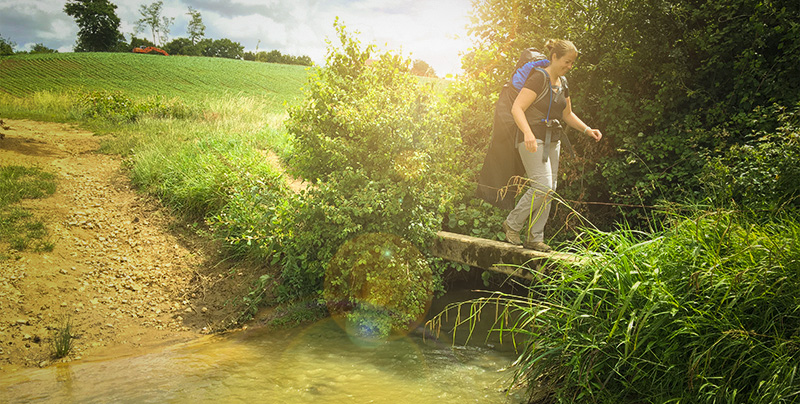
(318, 364)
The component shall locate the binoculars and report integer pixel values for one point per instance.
(552, 123)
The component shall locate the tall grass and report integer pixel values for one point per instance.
(245, 118)
(705, 311)
(198, 177)
(63, 340)
(41, 105)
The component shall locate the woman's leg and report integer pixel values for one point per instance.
(535, 203)
(542, 199)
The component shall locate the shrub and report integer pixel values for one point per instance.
(762, 173)
(378, 147)
(476, 218)
(380, 284)
(248, 220)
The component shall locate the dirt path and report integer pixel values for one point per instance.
(122, 270)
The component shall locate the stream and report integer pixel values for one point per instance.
(317, 363)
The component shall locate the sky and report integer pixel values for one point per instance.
(431, 30)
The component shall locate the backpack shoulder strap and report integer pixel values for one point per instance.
(545, 88)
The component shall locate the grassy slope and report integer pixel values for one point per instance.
(189, 78)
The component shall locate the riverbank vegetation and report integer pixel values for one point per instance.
(703, 311)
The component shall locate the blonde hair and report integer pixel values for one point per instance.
(560, 47)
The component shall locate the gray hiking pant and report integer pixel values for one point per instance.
(534, 206)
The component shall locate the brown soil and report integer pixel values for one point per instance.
(126, 272)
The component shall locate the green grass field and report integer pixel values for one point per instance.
(189, 78)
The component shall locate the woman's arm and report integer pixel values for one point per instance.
(524, 100)
(573, 121)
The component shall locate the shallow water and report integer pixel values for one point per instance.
(319, 363)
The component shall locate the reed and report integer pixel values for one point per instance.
(63, 339)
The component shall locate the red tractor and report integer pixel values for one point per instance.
(150, 49)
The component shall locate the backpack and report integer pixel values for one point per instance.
(528, 60)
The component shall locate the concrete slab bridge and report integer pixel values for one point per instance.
(496, 256)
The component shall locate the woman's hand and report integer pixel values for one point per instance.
(530, 143)
(595, 133)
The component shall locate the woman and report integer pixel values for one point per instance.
(538, 121)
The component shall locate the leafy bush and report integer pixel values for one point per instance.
(762, 173)
(477, 219)
(107, 104)
(346, 205)
(248, 221)
(378, 147)
(380, 284)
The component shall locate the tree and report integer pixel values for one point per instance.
(196, 28)
(40, 48)
(152, 18)
(423, 69)
(141, 42)
(183, 46)
(275, 56)
(261, 56)
(98, 23)
(222, 48)
(6, 47)
(304, 60)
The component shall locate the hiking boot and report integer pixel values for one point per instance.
(538, 246)
(512, 236)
